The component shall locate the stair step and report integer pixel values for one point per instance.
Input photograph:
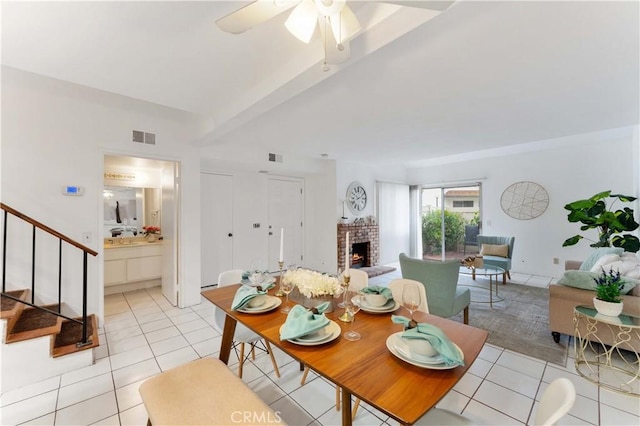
(71, 333)
(34, 323)
(11, 307)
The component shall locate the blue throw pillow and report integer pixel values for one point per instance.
(597, 254)
(585, 280)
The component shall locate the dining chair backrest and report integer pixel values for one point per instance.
(359, 279)
(398, 284)
(556, 401)
(226, 278)
(232, 276)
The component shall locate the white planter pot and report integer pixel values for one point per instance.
(607, 308)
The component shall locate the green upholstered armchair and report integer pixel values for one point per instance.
(502, 262)
(440, 279)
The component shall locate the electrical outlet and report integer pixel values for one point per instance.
(556, 261)
(87, 237)
(256, 225)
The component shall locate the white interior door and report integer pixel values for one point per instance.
(217, 226)
(285, 212)
(170, 231)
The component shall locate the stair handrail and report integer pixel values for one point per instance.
(86, 250)
(47, 229)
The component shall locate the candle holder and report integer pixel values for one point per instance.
(345, 317)
(279, 292)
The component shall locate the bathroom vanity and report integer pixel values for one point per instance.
(131, 265)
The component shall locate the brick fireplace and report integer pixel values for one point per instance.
(359, 233)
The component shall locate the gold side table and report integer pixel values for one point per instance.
(603, 353)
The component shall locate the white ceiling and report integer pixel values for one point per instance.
(419, 84)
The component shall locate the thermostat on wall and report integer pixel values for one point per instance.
(72, 190)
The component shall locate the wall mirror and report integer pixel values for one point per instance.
(127, 210)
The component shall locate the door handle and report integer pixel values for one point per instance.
(229, 234)
(270, 233)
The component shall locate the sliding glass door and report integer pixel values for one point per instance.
(450, 219)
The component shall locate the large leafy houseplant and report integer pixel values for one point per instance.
(594, 213)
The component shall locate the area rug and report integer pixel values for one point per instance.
(374, 271)
(520, 323)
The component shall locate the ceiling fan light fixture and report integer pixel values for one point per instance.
(330, 7)
(344, 25)
(302, 21)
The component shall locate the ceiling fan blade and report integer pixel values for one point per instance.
(252, 14)
(439, 5)
(344, 25)
(302, 21)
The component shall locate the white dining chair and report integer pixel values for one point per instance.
(242, 334)
(396, 288)
(556, 401)
(359, 279)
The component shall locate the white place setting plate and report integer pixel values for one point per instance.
(271, 303)
(332, 332)
(399, 348)
(390, 306)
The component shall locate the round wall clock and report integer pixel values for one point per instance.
(524, 200)
(356, 198)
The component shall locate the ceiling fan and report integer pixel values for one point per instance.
(337, 22)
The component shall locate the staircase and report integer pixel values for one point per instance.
(40, 341)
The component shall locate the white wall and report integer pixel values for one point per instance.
(569, 168)
(55, 133)
(347, 172)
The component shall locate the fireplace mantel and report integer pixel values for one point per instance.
(359, 233)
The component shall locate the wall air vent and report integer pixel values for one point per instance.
(138, 136)
(275, 158)
(150, 138)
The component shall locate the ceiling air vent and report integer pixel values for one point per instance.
(138, 136)
(275, 158)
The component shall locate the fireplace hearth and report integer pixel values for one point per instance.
(365, 244)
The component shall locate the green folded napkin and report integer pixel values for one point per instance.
(440, 342)
(301, 321)
(244, 295)
(376, 289)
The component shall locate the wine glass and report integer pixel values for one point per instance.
(411, 297)
(352, 306)
(286, 287)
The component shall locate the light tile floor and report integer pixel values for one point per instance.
(144, 335)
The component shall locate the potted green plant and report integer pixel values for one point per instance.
(608, 289)
(594, 213)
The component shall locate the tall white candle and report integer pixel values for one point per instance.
(281, 258)
(347, 259)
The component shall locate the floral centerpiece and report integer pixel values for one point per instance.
(313, 285)
(151, 230)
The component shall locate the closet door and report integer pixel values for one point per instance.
(217, 226)
(286, 213)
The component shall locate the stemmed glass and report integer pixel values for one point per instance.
(286, 287)
(352, 306)
(411, 297)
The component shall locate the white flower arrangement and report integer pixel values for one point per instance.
(312, 283)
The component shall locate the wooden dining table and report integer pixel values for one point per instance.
(365, 368)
